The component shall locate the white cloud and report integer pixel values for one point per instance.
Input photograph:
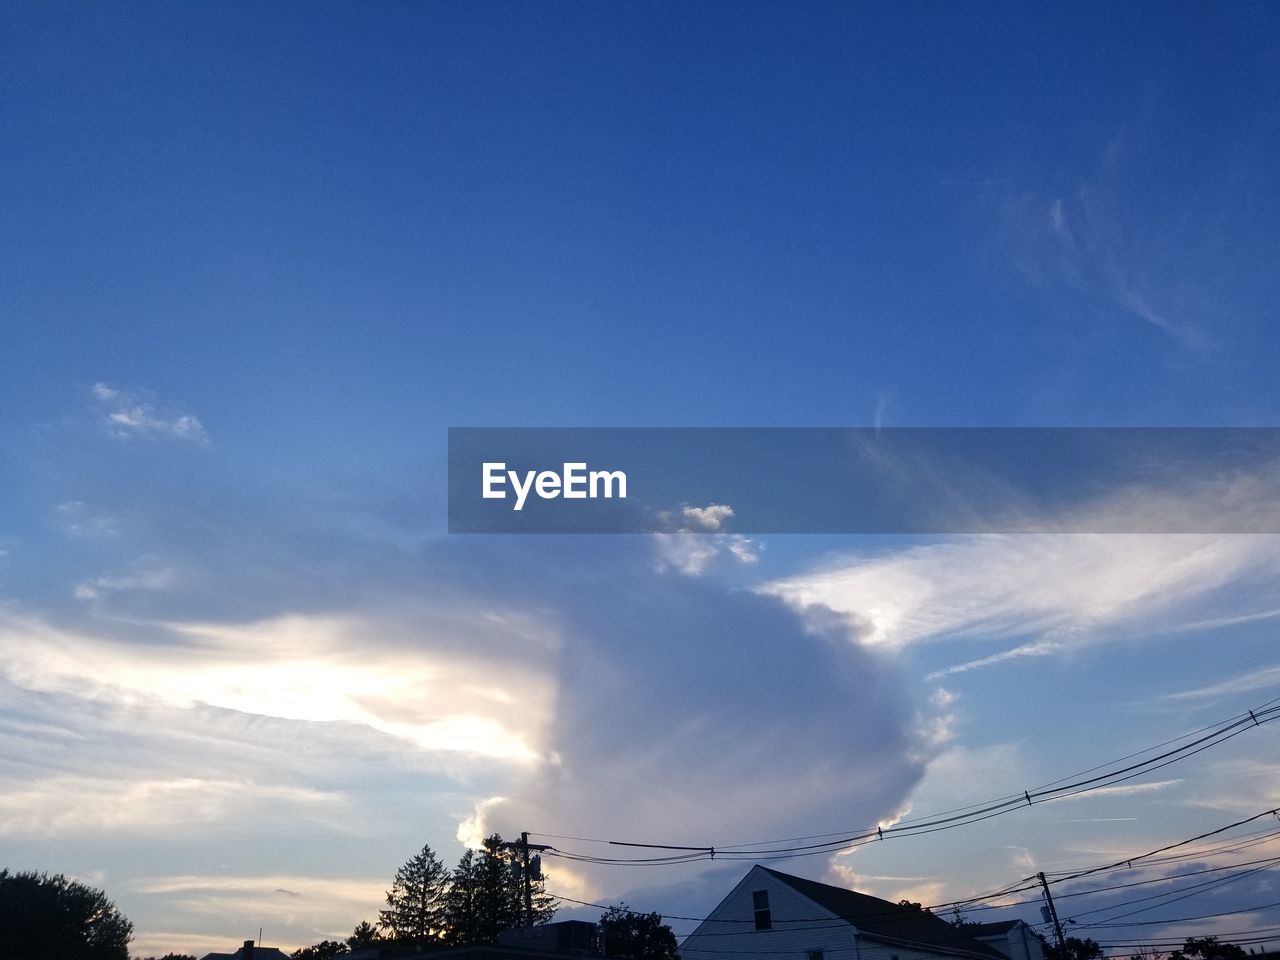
(1262, 678)
(595, 691)
(63, 805)
(708, 519)
(1123, 790)
(699, 541)
(293, 910)
(472, 830)
(295, 667)
(130, 413)
(694, 554)
(144, 574)
(1096, 243)
(1063, 590)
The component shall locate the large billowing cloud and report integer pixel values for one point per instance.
(601, 689)
(683, 702)
(232, 688)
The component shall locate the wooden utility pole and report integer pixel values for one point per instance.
(1053, 911)
(528, 880)
(526, 871)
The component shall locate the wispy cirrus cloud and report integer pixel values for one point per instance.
(146, 573)
(66, 805)
(79, 519)
(1158, 261)
(1263, 678)
(128, 413)
(1095, 255)
(1065, 590)
(294, 910)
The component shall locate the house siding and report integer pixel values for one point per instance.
(799, 926)
(802, 925)
(1019, 943)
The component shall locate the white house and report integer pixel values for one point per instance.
(1014, 938)
(775, 916)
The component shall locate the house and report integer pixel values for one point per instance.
(249, 951)
(1014, 938)
(775, 916)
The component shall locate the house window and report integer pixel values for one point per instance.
(814, 955)
(760, 904)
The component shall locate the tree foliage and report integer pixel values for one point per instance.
(364, 935)
(324, 950)
(637, 936)
(416, 901)
(486, 895)
(1073, 948)
(1207, 948)
(52, 916)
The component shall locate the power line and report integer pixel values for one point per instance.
(1074, 785)
(1172, 896)
(977, 902)
(1203, 916)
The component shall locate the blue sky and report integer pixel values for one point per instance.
(256, 261)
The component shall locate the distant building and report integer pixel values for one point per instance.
(775, 916)
(249, 952)
(1014, 938)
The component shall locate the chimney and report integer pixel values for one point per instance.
(248, 950)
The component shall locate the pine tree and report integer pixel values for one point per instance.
(486, 896)
(416, 901)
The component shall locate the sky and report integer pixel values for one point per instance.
(257, 259)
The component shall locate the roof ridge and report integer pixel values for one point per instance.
(878, 918)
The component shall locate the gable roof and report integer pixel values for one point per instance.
(991, 929)
(891, 922)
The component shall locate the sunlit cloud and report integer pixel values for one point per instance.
(293, 910)
(1065, 591)
(312, 668)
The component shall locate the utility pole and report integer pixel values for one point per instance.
(527, 871)
(528, 880)
(1053, 911)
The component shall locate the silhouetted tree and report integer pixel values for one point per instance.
(637, 936)
(324, 950)
(1207, 948)
(43, 916)
(416, 901)
(171, 956)
(364, 935)
(1073, 948)
(486, 896)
